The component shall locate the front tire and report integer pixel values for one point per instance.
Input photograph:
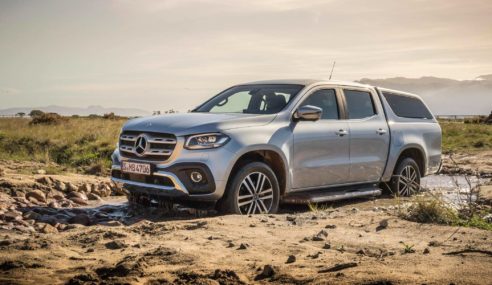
(254, 190)
(406, 178)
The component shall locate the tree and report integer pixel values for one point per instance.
(36, 113)
(21, 114)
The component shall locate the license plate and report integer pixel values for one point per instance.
(133, 167)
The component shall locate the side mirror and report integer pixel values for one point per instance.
(308, 113)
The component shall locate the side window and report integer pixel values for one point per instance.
(359, 104)
(326, 99)
(407, 107)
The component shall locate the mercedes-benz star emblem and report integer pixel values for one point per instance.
(141, 145)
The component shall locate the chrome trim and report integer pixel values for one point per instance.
(150, 139)
(162, 140)
(178, 185)
(145, 185)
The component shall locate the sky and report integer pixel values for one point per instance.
(157, 55)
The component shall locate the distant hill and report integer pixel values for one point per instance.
(68, 111)
(445, 96)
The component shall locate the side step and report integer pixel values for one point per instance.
(326, 195)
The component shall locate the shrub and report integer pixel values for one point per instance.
(47, 119)
(430, 210)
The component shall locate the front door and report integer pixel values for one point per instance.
(321, 148)
(369, 135)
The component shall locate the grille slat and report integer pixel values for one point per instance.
(159, 146)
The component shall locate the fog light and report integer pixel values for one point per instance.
(196, 177)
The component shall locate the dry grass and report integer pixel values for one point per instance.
(79, 143)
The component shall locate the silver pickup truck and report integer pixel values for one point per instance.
(258, 144)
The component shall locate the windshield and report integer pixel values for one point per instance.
(252, 99)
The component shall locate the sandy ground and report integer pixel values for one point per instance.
(354, 242)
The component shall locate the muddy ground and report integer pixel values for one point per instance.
(77, 229)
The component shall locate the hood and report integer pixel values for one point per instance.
(194, 123)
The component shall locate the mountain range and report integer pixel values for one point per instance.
(445, 96)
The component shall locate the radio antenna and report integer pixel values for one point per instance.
(333, 67)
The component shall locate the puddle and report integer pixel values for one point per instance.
(454, 189)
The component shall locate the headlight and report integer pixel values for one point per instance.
(203, 141)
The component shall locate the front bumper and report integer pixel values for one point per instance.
(172, 178)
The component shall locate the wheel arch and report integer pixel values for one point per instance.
(415, 152)
(267, 154)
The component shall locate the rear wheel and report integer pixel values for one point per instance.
(254, 190)
(406, 179)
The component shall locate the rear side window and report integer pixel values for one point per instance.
(407, 107)
(359, 104)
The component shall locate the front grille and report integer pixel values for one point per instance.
(158, 146)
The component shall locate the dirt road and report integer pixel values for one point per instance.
(359, 241)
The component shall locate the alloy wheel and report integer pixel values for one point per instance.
(408, 182)
(255, 195)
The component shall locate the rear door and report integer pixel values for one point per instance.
(321, 148)
(369, 134)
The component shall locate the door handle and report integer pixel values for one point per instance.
(381, 132)
(341, 132)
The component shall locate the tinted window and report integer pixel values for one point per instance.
(359, 104)
(252, 99)
(325, 99)
(407, 107)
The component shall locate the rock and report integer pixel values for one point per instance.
(327, 246)
(49, 229)
(60, 186)
(330, 227)
(116, 244)
(230, 244)
(92, 196)
(45, 180)
(61, 227)
(57, 195)
(354, 210)
(79, 195)
(315, 255)
(291, 218)
(291, 259)
(243, 246)
(267, 272)
(38, 195)
(79, 201)
(53, 204)
(383, 224)
(2, 172)
(70, 187)
(86, 188)
(41, 171)
(426, 250)
(31, 215)
(11, 216)
(321, 236)
(80, 219)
